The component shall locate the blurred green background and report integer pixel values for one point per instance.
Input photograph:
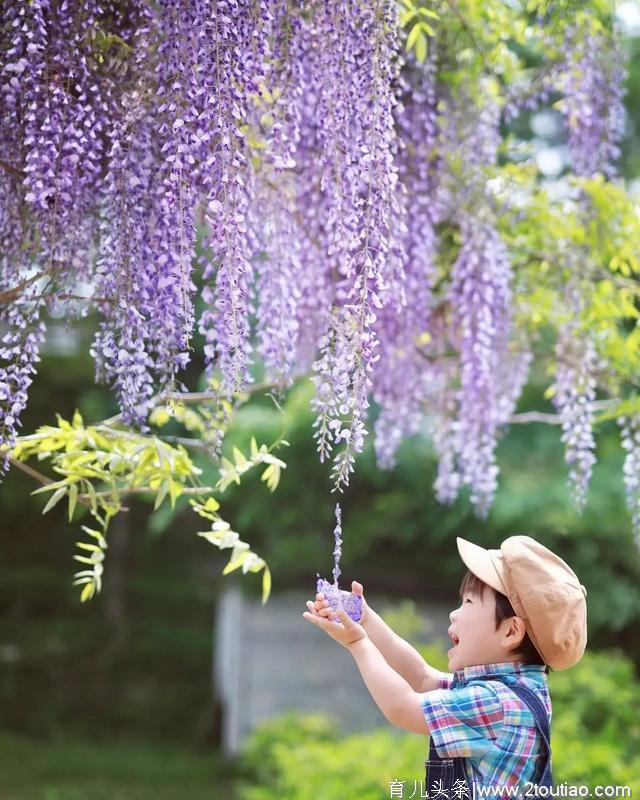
(113, 699)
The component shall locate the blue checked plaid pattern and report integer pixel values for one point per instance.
(482, 721)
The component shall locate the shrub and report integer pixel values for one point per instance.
(595, 739)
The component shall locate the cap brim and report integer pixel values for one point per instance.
(481, 562)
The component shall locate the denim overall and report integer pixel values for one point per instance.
(449, 773)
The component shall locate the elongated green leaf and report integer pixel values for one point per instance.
(93, 500)
(266, 584)
(55, 498)
(421, 47)
(162, 493)
(414, 33)
(51, 486)
(73, 497)
(407, 16)
(237, 562)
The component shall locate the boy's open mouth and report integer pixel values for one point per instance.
(454, 638)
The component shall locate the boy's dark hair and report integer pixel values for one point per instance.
(527, 651)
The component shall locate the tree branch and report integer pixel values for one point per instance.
(9, 295)
(11, 169)
(45, 481)
(145, 490)
(190, 397)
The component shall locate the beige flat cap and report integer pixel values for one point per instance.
(542, 589)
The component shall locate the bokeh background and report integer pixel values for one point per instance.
(113, 698)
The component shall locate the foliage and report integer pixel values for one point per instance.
(595, 741)
(100, 464)
(73, 769)
(296, 757)
(596, 733)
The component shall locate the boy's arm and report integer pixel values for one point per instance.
(393, 695)
(400, 704)
(399, 654)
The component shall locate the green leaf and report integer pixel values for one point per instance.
(87, 592)
(266, 584)
(93, 500)
(211, 504)
(238, 457)
(407, 16)
(51, 486)
(73, 497)
(55, 498)
(413, 36)
(237, 562)
(94, 548)
(421, 48)
(159, 416)
(162, 493)
(175, 490)
(625, 408)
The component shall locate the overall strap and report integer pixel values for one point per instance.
(444, 775)
(536, 707)
(451, 771)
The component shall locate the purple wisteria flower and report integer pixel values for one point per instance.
(283, 177)
(574, 396)
(355, 84)
(593, 84)
(630, 439)
(233, 68)
(338, 598)
(480, 296)
(402, 374)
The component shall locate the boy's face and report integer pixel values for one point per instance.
(473, 632)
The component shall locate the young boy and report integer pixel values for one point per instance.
(522, 613)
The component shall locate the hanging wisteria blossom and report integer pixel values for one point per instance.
(306, 189)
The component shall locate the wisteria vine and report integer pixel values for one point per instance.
(285, 180)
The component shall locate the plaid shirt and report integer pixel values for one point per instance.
(484, 722)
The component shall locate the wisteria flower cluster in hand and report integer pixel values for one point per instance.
(320, 197)
(339, 599)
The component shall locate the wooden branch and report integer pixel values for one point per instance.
(9, 295)
(11, 169)
(534, 416)
(190, 397)
(553, 419)
(196, 444)
(45, 481)
(146, 490)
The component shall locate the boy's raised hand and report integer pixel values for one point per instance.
(345, 631)
(321, 606)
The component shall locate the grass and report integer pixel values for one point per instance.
(68, 769)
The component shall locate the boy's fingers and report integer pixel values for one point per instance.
(344, 618)
(356, 588)
(316, 620)
(319, 611)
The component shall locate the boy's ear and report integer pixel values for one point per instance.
(514, 632)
